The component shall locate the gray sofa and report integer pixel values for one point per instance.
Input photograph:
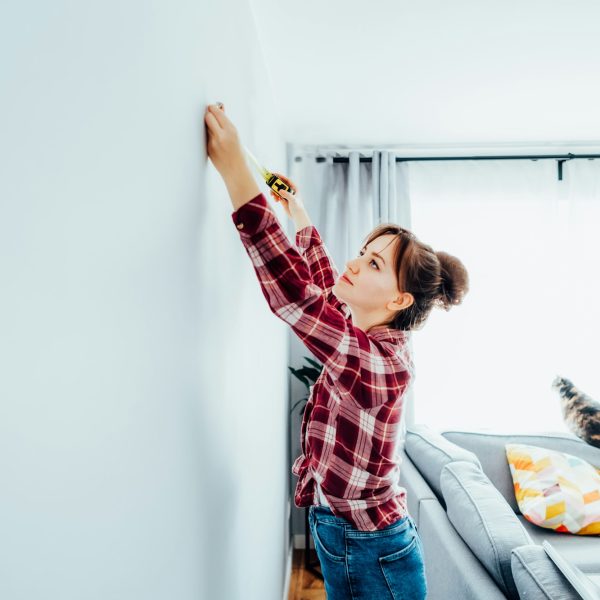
(476, 543)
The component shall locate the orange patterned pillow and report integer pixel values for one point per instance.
(555, 490)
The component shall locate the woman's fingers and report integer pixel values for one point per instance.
(218, 115)
(286, 180)
(279, 193)
(284, 201)
(212, 122)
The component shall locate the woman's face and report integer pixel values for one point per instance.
(372, 293)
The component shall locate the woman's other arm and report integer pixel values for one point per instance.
(309, 243)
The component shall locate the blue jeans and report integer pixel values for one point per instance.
(356, 565)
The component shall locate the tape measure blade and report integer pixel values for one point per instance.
(261, 169)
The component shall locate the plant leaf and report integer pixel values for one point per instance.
(314, 363)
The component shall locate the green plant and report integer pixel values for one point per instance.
(307, 375)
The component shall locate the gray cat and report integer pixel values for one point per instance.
(580, 412)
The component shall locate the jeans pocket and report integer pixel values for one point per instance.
(329, 539)
(330, 545)
(404, 571)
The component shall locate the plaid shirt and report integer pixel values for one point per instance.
(351, 424)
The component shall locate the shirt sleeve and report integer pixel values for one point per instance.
(320, 264)
(366, 369)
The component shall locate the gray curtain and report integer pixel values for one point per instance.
(347, 200)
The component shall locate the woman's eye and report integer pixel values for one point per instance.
(372, 260)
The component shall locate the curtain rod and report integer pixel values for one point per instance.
(561, 158)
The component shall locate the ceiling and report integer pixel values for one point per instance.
(393, 73)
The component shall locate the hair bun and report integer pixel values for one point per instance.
(454, 280)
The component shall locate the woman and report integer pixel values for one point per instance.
(357, 325)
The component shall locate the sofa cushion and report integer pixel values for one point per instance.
(430, 452)
(484, 520)
(555, 490)
(489, 448)
(536, 576)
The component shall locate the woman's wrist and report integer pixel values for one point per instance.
(302, 221)
(236, 167)
(241, 185)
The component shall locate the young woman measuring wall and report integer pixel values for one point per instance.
(358, 326)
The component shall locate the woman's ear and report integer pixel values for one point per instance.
(403, 301)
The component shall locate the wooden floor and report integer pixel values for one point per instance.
(303, 584)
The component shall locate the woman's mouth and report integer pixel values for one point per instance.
(344, 278)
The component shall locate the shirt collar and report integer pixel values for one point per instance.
(385, 334)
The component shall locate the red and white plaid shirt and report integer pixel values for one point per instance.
(351, 425)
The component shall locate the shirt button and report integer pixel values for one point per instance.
(240, 226)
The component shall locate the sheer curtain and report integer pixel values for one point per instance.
(529, 242)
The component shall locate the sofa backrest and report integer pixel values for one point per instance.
(490, 450)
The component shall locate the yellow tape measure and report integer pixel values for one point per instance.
(271, 180)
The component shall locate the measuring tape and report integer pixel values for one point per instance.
(271, 180)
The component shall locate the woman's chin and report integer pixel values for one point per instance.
(337, 290)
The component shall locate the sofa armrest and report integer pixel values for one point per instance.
(452, 570)
(484, 520)
(416, 487)
(537, 577)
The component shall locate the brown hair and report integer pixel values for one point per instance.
(433, 278)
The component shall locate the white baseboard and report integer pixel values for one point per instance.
(297, 544)
(288, 572)
(299, 541)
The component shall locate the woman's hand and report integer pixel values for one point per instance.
(227, 155)
(224, 147)
(292, 203)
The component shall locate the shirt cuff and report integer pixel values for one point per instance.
(254, 216)
(308, 236)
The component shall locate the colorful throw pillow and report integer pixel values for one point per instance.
(555, 490)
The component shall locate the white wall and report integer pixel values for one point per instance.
(422, 74)
(144, 389)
